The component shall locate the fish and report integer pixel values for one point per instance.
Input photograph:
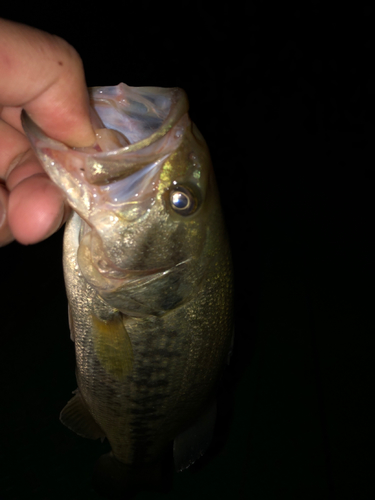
(148, 275)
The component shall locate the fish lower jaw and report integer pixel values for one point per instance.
(128, 276)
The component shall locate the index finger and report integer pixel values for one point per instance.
(44, 74)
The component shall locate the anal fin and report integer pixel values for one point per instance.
(77, 418)
(192, 443)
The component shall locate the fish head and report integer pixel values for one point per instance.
(145, 194)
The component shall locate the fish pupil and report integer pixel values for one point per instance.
(180, 201)
(183, 200)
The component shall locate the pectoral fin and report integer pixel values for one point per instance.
(113, 346)
(194, 441)
(77, 418)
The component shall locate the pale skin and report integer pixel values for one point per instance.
(44, 75)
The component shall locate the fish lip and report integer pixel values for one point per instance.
(179, 107)
(101, 168)
(131, 275)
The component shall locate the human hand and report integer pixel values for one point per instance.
(44, 75)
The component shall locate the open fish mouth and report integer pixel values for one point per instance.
(137, 130)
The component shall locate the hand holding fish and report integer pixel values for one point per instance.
(44, 75)
(147, 262)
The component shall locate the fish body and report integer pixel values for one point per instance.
(148, 275)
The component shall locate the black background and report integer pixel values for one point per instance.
(285, 99)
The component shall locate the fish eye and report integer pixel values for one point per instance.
(183, 200)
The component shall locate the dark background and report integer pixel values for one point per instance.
(285, 99)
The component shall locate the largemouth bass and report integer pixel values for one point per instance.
(148, 276)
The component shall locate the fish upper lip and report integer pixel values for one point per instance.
(102, 167)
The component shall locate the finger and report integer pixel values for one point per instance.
(25, 165)
(5, 232)
(20, 211)
(17, 163)
(36, 209)
(44, 74)
(13, 145)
